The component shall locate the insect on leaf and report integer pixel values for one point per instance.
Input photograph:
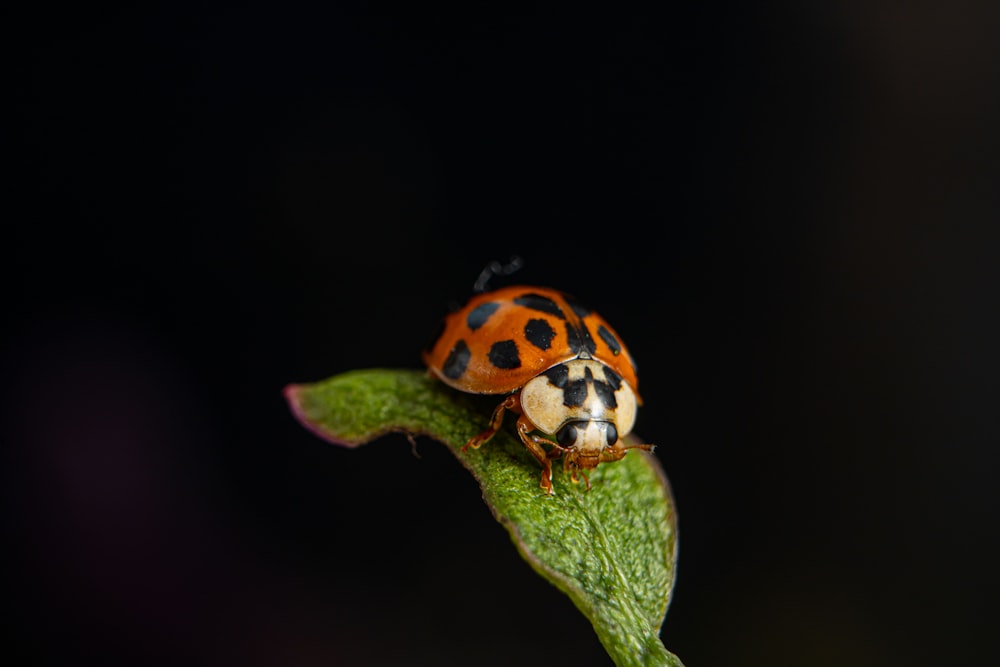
(614, 559)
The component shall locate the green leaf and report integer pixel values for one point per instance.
(612, 549)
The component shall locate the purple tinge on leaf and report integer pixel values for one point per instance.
(293, 394)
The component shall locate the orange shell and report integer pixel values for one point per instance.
(500, 340)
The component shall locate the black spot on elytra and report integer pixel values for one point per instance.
(578, 308)
(478, 316)
(539, 333)
(558, 376)
(579, 340)
(457, 361)
(610, 340)
(504, 355)
(540, 303)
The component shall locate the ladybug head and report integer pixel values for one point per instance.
(587, 443)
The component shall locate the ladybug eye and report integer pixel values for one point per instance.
(611, 433)
(567, 435)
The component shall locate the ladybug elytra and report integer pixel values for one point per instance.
(562, 367)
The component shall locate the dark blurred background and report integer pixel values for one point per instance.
(788, 210)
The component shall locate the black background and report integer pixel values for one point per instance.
(789, 213)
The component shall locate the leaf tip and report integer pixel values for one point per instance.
(292, 392)
(293, 396)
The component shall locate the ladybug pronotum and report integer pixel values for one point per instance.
(561, 367)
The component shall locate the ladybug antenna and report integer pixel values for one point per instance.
(495, 268)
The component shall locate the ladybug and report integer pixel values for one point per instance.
(559, 365)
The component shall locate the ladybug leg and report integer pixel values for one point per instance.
(496, 421)
(534, 445)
